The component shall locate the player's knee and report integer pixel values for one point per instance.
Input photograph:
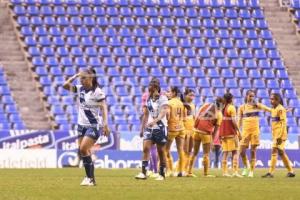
(83, 151)
(280, 152)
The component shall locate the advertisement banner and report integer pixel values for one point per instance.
(132, 159)
(28, 158)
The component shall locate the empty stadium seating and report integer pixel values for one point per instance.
(9, 115)
(210, 46)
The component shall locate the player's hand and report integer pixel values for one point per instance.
(278, 141)
(289, 109)
(106, 130)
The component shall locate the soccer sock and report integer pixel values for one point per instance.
(186, 162)
(88, 166)
(235, 165)
(245, 161)
(153, 160)
(191, 164)
(205, 163)
(181, 161)
(224, 166)
(273, 162)
(170, 163)
(252, 164)
(162, 169)
(144, 166)
(286, 162)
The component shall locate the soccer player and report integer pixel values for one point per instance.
(189, 120)
(206, 126)
(152, 172)
(91, 122)
(154, 130)
(230, 136)
(279, 135)
(176, 129)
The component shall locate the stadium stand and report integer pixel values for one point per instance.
(9, 114)
(210, 46)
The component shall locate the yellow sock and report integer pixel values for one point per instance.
(245, 161)
(252, 164)
(181, 161)
(235, 164)
(205, 163)
(191, 164)
(224, 167)
(273, 162)
(186, 162)
(170, 163)
(286, 162)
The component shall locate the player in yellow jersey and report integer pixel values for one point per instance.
(189, 121)
(206, 126)
(279, 136)
(230, 136)
(175, 129)
(248, 117)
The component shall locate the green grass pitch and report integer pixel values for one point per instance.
(52, 184)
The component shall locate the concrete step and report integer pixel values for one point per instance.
(12, 57)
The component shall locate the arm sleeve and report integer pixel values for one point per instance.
(219, 118)
(264, 107)
(99, 95)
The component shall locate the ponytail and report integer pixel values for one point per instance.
(176, 90)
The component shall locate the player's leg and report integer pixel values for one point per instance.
(169, 158)
(85, 146)
(235, 164)
(224, 164)
(162, 159)
(273, 163)
(206, 151)
(179, 144)
(243, 148)
(147, 144)
(253, 160)
(194, 155)
(217, 153)
(286, 162)
(153, 159)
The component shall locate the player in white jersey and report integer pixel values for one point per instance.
(91, 122)
(154, 130)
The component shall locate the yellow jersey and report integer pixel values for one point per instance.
(279, 122)
(189, 117)
(176, 115)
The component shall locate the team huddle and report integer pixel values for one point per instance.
(171, 115)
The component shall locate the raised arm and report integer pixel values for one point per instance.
(68, 84)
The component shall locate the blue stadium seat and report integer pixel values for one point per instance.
(217, 83)
(245, 83)
(232, 54)
(227, 73)
(170, 72)
(262, 93)
(255, 74)
(250, 64)
(259, 83)
(255, 44)
(286, 84)
(240, 73)
(189, 82)
(291, 94)
(227, 44)
(231, 83)
(268, 74)
(222, 63)
(272, 84)
(213, 73)
(174, 81)
(236, 63)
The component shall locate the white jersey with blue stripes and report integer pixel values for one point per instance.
(88, 110)
(154, 107)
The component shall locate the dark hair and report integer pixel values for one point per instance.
(228, 98)
(154, 80)
(247, 93)
(155, 85)
(95, 83)
(178, 93)
(278, 98)
(188, 90)
(219, 102)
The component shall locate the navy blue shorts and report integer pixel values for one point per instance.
(158, 136)
(91, 132)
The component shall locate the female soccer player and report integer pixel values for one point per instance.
(206, 126)
(230, 136)
(152, 172)
(189, 96)
(176, 128)
(90, 123)
(154, 126)
(279, 135)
